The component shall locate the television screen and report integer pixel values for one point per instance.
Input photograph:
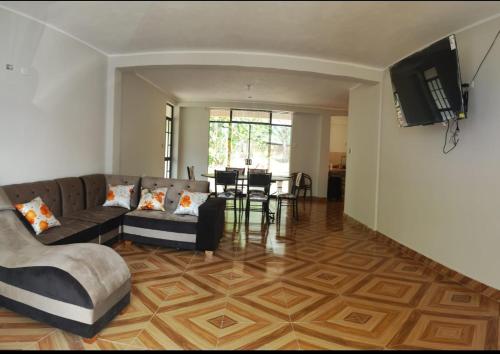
(427, 85)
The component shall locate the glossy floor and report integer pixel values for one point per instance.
(318, 283)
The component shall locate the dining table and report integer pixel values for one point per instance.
(245, 177)
(274, 179)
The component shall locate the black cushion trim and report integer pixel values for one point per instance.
(78, 328)
(111, 224)
(51, 282)
(112, 241)
(160, 242)
(210, 227)
(161, 225)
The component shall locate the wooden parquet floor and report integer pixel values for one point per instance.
(320, 283)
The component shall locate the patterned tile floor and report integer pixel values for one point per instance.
(319, 283)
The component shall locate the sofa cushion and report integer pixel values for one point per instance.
(70, 231)
(99, 214)
(47, 190)
(108, 218)
(95, 190)
(175, 188)
(153, 199)
(190, 202)
(161, 220)
(116, 180)
(38, 215)
(119, 196)
(72, 195)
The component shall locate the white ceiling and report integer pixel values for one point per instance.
(217, 84)
(371, 33)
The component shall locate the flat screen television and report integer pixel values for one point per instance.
(427, 86)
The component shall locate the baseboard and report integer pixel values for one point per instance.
(449, 273)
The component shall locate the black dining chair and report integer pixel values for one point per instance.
(231, 191)
(291, 198)
(190, 170)
(259, 186)
(257, 170)
(241, 173)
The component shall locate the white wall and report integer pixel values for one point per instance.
(443, 206)
(142, 134)
(193, 141)
(52, 118)
(447, 206)
(338, 140)
(338, 134)
(362, 151)
(310, 148)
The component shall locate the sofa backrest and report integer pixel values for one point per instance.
(72, 195)
(175, 187)
(126, 180)
(95, 190)
(47, 190)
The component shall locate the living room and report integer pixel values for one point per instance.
(122, 123)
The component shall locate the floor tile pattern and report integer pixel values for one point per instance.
(319, 283)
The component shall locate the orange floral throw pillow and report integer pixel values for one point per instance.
(118, 196)
(38, 214)
(153, 199)
(189, 203)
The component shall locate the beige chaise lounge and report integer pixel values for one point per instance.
(78, 288)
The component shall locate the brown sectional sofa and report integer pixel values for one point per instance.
(77, 203)
(178, 231)
(67, 280)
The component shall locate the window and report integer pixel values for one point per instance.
(169, 131)
(260, 138)
(438, 94)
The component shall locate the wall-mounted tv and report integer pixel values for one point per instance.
(427, 85)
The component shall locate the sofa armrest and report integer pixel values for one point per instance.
(210, 225)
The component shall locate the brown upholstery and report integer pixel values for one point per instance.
(175, 187)
(115, 180)
(99, 214)
(70, 231)
(47, 190)
(95, 190)
(72, 195)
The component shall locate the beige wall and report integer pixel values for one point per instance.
(361, 170)
(338, 139)
(310, 149)
(443, 206)
(447, 206)
(52, 116)
(142, 132)
(193, 141)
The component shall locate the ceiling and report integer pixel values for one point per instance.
(218, 84)
(371, 33)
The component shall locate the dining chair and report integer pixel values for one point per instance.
(291, 198)
(241, 172)
(257, 170)
(229, 179)
(190, 170)
(306, 185)
(259, 186)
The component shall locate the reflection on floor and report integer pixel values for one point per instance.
(314, 284)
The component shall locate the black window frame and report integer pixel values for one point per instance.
(230, 122)
(169, 143)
